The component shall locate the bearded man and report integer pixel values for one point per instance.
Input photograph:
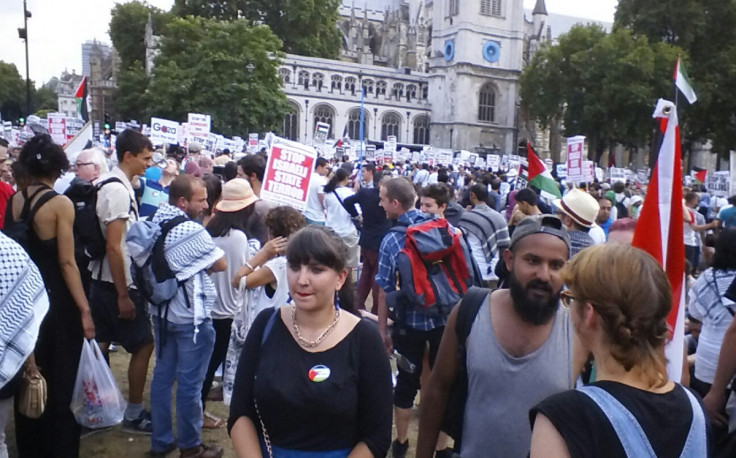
(520, 349)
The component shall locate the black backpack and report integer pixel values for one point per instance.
(452, 423)
(21, 230)
(89, 241)
(621, 210)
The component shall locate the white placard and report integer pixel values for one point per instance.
(288, 171)
(57, 127)
(494, 162)
(617, 174)
(199, 124)
(588, 171)
(575, 147)
(164, 131)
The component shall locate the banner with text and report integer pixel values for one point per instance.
(199, 124)
(288, 171)
(164, 131)
(575, 146)
(57, 127)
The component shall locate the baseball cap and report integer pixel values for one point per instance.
(194, 147)
(540, 224)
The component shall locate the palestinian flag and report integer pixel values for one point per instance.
(659, 230)
(82, 99)
(699, 175)
(683, 82)
(539, 176)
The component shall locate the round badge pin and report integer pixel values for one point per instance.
(319, 373)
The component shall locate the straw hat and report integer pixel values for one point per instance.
(236, 195)
(580, 206)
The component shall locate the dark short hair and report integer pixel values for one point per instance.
(230, 171)
(378, 177)
(528, 196)
(690, 196)
(253, 163)
(725, 253)
(320, 162)
(442, 175)
(480, 191)
(369, 168)
(133, 142)
(440, 192)
(41, 157)
(182, 187)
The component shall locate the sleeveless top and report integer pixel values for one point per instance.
(502, 388)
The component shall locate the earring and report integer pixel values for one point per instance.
(337, 300)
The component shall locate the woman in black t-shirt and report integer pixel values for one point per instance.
(313, 380)
(619, 299)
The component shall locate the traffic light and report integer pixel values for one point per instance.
(107, 121)
(22, 121)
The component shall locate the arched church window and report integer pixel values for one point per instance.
(368, 86)
(487, 103)
(453, 9)
(353, 127)
(336, 83)
(380, 88)
(411, 92)
(318, 81)
(397, 91)
(390, 125)
(291, 123)
(285, 74)
(324, 113)
(421, 130)
(350, 84)
(491, 7)
(304, 79)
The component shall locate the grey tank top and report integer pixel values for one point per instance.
(502, 389)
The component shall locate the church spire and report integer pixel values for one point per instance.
(540, 8)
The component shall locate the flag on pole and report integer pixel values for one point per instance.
(659, 230)
(82, 99)
(539, 176)
(683, 82)
(700, 175)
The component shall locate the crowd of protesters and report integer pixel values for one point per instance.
(563, 355)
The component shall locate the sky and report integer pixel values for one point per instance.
(58, 28)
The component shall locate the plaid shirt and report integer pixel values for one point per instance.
(392, 243)
(579, 240)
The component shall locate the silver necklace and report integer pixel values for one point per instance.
(312, 343)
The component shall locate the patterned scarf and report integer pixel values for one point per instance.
(23, 305)
(190, 250)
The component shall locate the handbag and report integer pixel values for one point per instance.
(32, 398)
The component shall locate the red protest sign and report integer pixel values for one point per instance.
(288, 171)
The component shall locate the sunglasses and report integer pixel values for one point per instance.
(566, 298)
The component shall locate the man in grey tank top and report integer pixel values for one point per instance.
(519, 351)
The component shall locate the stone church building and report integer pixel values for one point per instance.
(439, 72)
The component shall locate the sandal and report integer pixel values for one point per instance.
(212, 422)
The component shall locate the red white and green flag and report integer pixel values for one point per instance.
(700, 175)
(82, 99)
(659, 230)
(539, 176)
(682, 81)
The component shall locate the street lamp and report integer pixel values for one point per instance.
(23, 35)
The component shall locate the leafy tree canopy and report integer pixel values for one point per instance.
(128, 30)
(225, 69)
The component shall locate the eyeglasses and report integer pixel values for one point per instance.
(566, 298)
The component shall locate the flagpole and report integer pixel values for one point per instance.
(362, 123)
(674, 79)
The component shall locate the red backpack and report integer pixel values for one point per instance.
(435, 269)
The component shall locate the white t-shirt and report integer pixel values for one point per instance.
(597, 234)
(421, 177)
(260, 300)
(337, 217)
(314, 209)
(229, 299)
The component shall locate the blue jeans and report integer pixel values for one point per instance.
(185, 361)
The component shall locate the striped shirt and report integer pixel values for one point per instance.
(579, 240)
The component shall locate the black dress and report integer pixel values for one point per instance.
(57, 352)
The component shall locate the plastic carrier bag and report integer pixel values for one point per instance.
(96, 401)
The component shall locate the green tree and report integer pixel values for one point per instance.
(12, 92)
(128, 30)
(44, 100)
(225, 69)
(704, 29)
(306, 27)
(130, 96)
(599, 85)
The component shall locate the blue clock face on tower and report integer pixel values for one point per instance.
(491, 51)
(449, 50)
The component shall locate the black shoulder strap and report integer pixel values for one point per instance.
(24, 213)
(41, 201)
(269, 325)
(468, 310)
(169, 224)
(117, 180)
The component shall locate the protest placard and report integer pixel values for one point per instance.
(575, 146)
(321, 131)
(617, 174)
(164, 131)
(588, 171)
(561, 170)
(57, 127)
(73, 127)
(494, 162)
(370, 152)
(719, 183)
(288, 171)
(199, 124)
